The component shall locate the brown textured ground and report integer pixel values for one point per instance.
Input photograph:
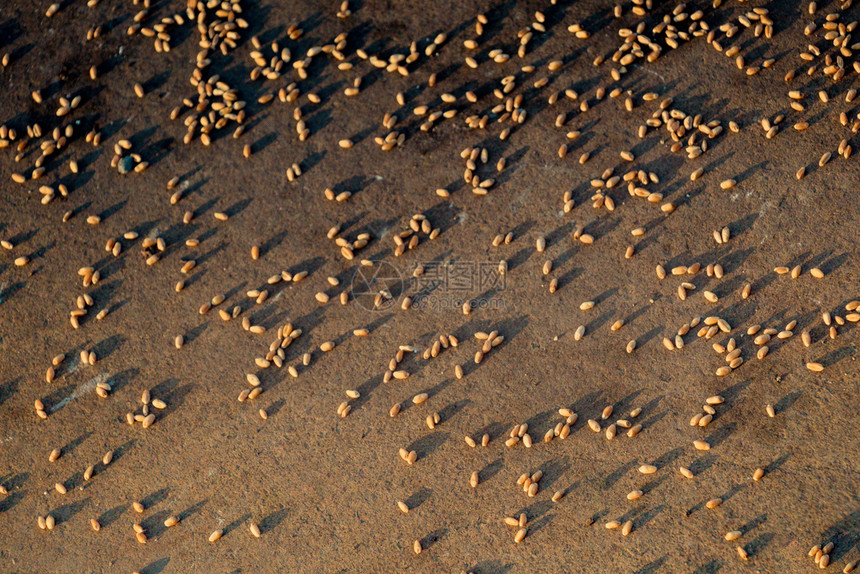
(323, 488)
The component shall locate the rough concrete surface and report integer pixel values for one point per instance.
(323, 489)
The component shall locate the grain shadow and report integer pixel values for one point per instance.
(652, 567)
(8, 389)
(110, 516)
(64, 513)
(156, 567)
(426, 445)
